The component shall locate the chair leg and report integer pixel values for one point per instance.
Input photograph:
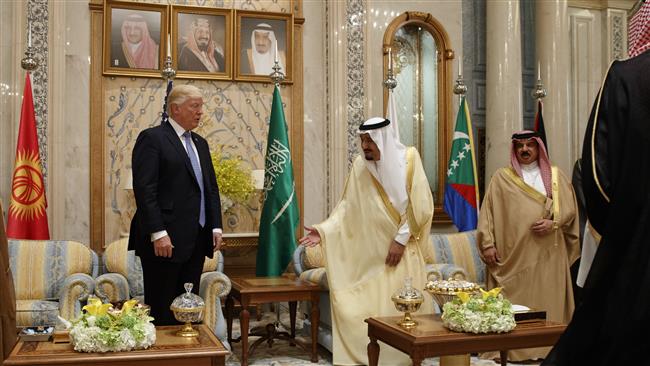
(259, 311)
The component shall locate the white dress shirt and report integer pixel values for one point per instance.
(533, 176)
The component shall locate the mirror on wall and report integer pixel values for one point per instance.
(421, 66)
(415, 62)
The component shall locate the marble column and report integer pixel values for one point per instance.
(553, 54)
(503, 82)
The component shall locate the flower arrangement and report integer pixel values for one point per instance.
(103, 328)
(482, 312)
(235, 182)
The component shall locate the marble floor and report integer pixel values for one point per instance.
(282, 354)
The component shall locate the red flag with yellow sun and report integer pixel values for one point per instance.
(27, 218)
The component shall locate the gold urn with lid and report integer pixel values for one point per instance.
(188, 308)
(407, 300)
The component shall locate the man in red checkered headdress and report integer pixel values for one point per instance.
(528, 234)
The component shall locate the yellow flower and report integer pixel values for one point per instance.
(492, 293)
(127, 306)
(463, 296)
(233, 179)
(95, 307)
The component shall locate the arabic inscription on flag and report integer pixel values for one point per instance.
(276, 160)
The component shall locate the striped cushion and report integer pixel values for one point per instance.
(210, 264)
(314, 257)
(460, 249)
(316, 275)
(39, 267)
(34, 313)
(118, 259)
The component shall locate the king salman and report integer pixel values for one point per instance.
(375, 238)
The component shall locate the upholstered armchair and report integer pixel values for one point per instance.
(123, 281)
(455, 256)
(51, 277)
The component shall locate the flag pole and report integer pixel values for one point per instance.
(460, 88)
(277, 76)
(28, 62)
(538, 94)
(168, 73)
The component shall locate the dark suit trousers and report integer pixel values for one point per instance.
(164, 281)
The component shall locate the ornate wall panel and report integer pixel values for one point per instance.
(616, 34)
(356, 72)
(235, 122)
(236, 117)
(38, 11)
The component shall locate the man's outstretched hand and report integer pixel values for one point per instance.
(395, 252)
(311, 239)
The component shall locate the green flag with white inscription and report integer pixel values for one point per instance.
(280, 216)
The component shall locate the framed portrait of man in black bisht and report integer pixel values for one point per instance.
(202, 42)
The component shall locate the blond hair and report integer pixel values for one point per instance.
(180, 94)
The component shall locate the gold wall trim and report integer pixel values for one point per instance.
(445, 127)
(96, 127)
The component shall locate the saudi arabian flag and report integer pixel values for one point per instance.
(461, 189)
(280, 215)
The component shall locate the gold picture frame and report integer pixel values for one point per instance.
(271, 29)
(202, 58)
(134, 37)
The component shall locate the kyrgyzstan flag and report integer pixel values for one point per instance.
(27, 218)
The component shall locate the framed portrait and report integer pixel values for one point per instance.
(134, 38)
(261, 39)
(202, 42)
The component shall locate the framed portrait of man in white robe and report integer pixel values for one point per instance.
(134, 35)
(202, 42)
(263, 39)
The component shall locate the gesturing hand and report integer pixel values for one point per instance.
(163, 247)
(311, 239)
(395, 252)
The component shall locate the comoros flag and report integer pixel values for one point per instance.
(461, 188)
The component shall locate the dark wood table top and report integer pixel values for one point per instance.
(168, 346)
(271, 284)
(434, 335)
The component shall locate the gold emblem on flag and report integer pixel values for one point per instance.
(27, 188)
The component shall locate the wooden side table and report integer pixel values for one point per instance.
(169, 350)
(251, 291)
(430, 338)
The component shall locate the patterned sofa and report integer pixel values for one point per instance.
(51, 277)
(123, 281)
(456, 256)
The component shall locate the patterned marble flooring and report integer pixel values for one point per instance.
(282, 354)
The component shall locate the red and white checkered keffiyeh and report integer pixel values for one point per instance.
(639, 31)
(542, 160)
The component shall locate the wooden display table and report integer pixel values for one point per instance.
(169, 350)
(251, 291)
(430, 338)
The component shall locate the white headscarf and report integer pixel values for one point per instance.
(263, 62)
(390, 169)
